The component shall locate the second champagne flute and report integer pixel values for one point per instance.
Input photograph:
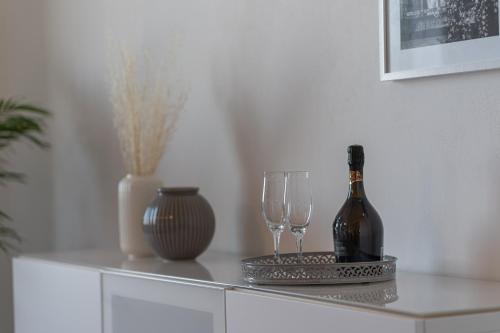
(298, 203)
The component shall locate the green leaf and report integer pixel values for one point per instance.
(19, 125)
(11, 176)
(10, 105)
(3, 247)
(37, 141)
(7, 235)
(31, 108)
(6, 232)
(15, 127)
(7, 247)
(5, 216)
(18, 120)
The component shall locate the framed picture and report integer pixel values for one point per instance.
(433, 37)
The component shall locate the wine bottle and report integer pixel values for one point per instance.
(358, 233)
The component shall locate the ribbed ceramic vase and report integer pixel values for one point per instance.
(179, 223)
(134, 195)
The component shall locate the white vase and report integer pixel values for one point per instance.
(135, 193)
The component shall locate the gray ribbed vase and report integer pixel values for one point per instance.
(179, 223)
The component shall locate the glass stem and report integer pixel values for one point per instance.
(299, 239)
(276, 239)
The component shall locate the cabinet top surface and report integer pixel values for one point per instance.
(412, 294)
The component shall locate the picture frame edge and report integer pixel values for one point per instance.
(386, 75)
(383, 41)
(447, 70)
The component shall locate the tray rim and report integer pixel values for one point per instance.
(353, 281)
(250, 264)
(250, 261)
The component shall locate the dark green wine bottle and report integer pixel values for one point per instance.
(358, 233)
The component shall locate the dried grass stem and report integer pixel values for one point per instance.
(146, 111)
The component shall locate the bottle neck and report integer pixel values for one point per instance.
(356, 187)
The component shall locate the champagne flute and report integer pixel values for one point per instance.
(273, 205)
(298, 205)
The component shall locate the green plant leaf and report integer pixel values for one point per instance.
(7, 248)
(11, 176)
(4, 216)
(20, 124)
(10, 105)
(31, 108)
(37, 141)
(15, 127)
(18, 120)
(6, 232)
(3, 247)
(7, 235)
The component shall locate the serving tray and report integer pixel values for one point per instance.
(315, 268)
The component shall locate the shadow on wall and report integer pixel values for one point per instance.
(488, 246)
(83, 164)
(240, 110)
(264, 97)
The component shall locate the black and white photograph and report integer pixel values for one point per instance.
(431, 22)
(435, 37)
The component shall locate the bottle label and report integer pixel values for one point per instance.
(340, 248)
(355, 176)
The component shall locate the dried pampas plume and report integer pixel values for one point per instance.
(146, 110)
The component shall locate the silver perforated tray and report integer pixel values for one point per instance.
(315, 268)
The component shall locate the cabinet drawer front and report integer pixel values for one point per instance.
(472, 323)
(137, 304)
(56, 298)
(250, 312)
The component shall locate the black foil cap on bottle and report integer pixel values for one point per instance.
(356, 157)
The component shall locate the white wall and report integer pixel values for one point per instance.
(274, 85)
(280, 84)
(23, 74)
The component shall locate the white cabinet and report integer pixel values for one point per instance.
(135, 304)
(52, 297)
(250, 312)
(98, 293)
